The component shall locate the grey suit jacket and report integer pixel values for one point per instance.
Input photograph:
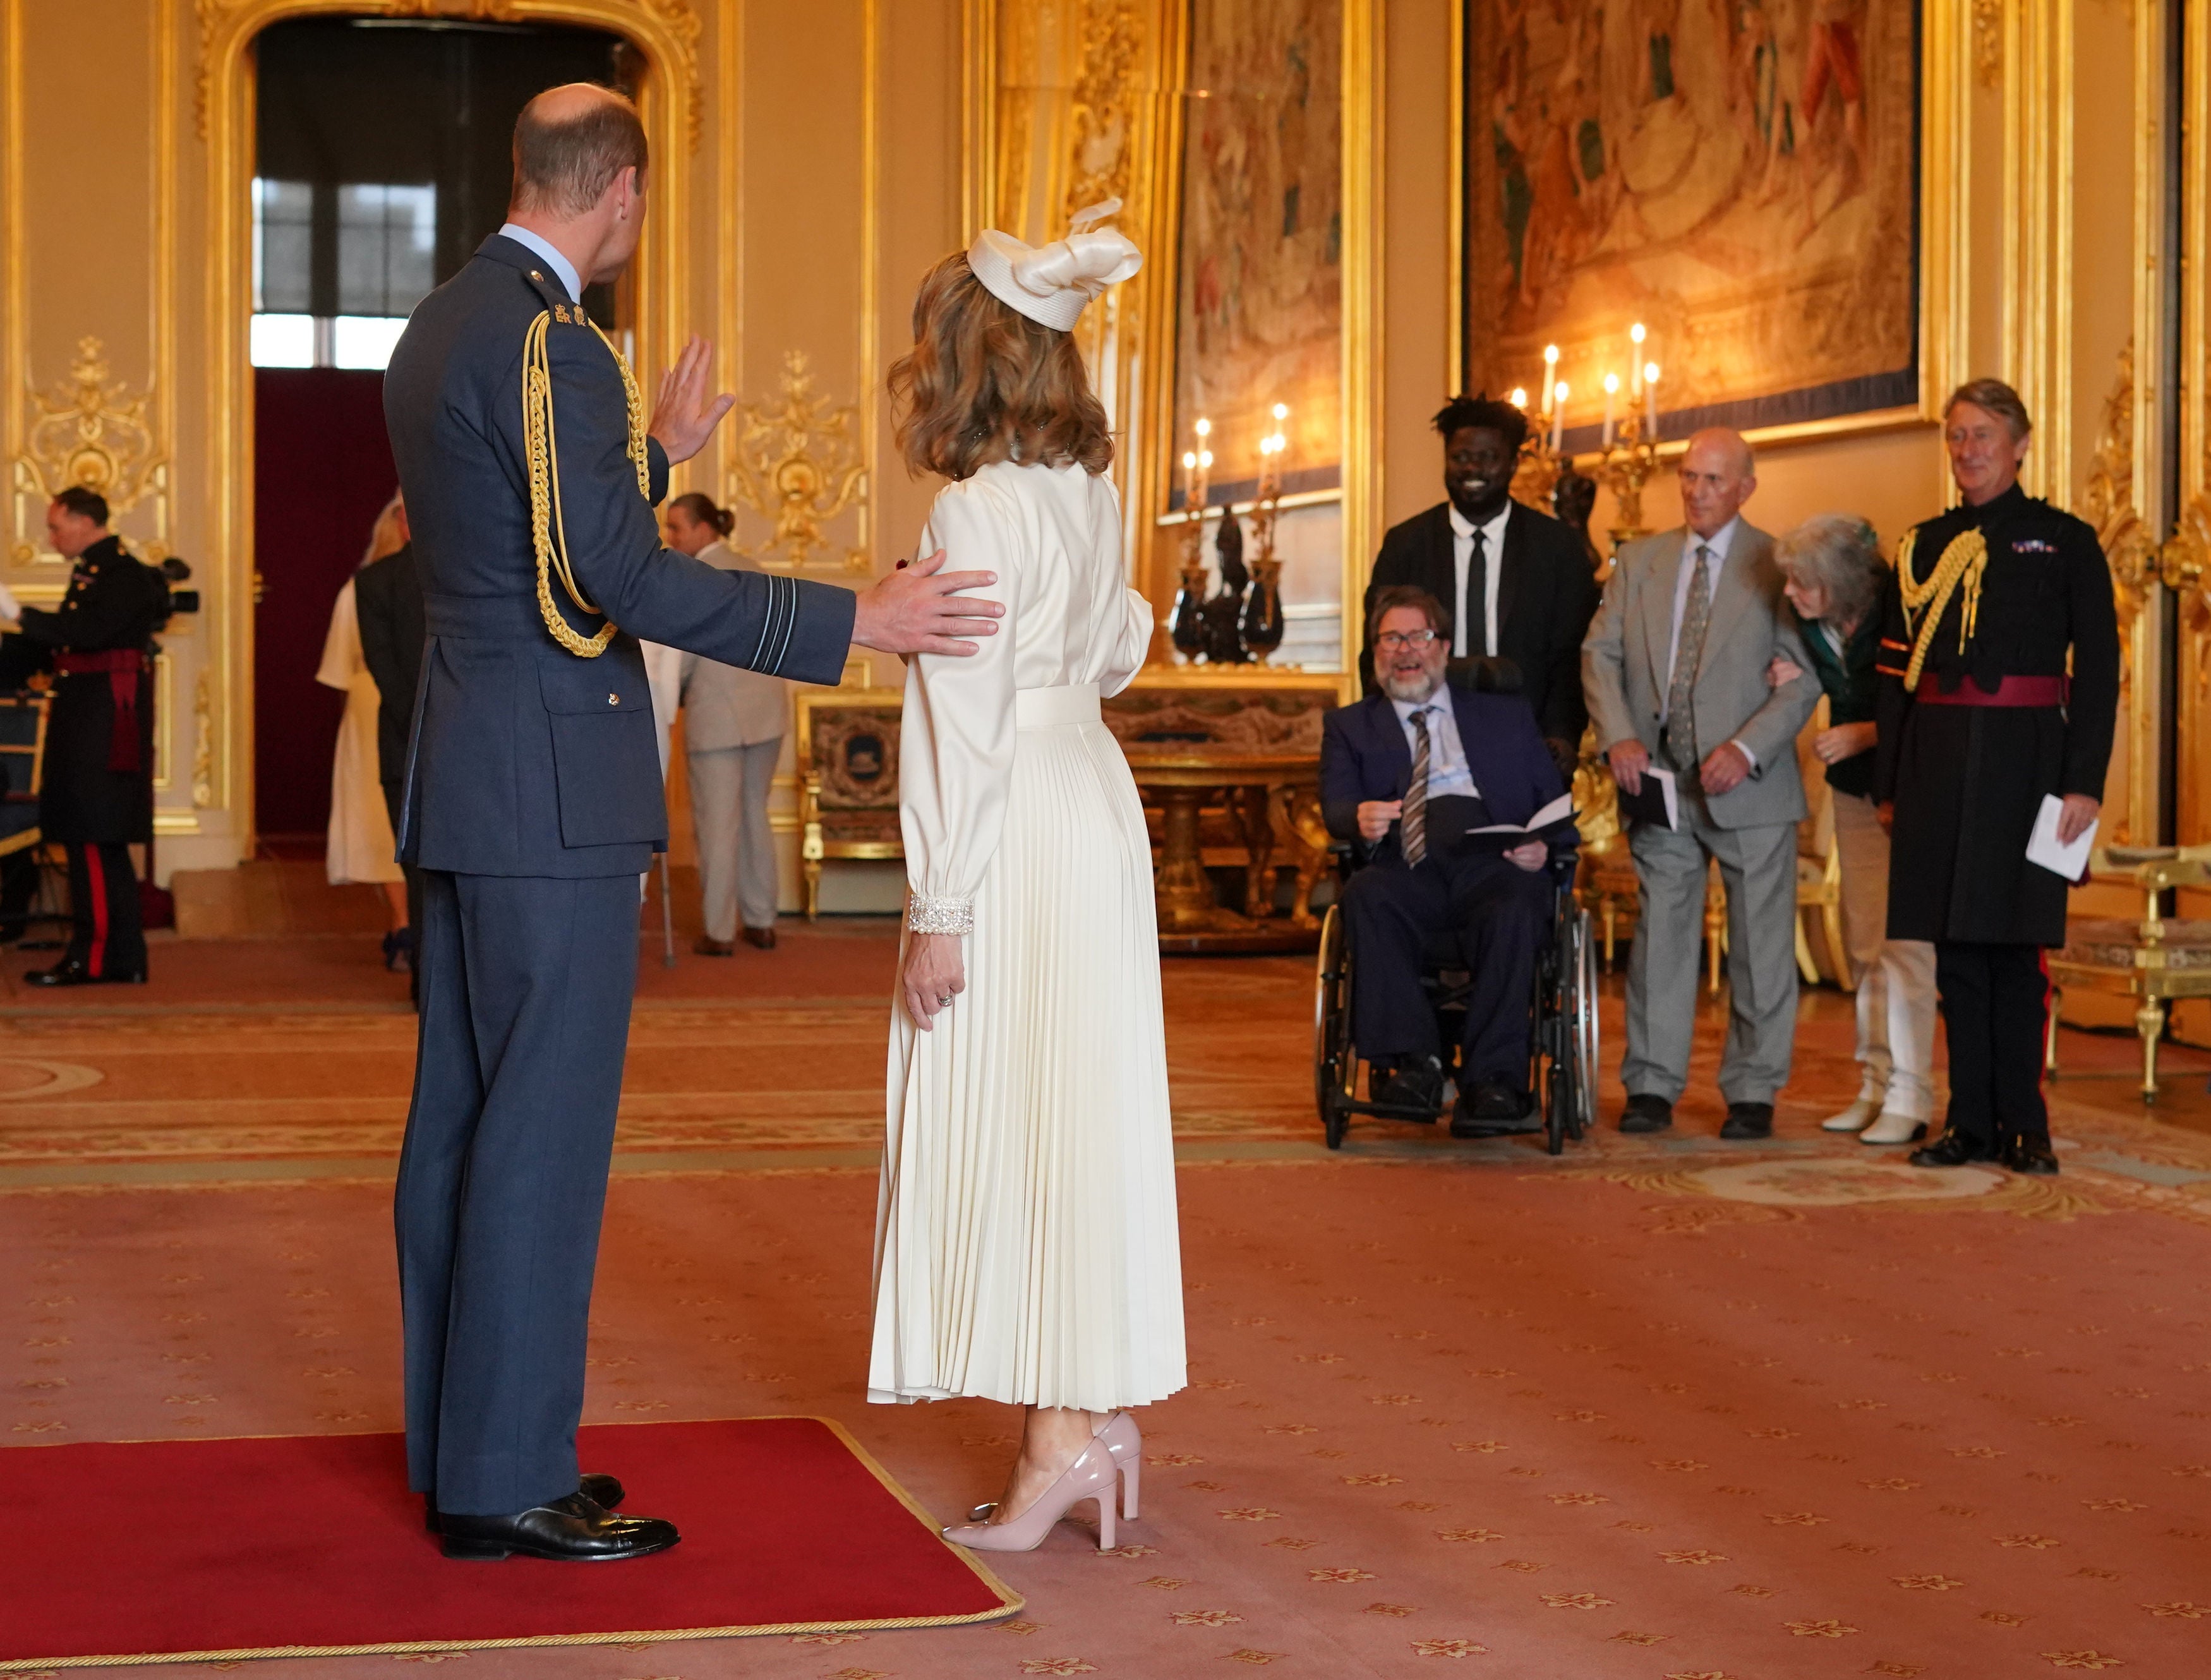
(1624, 674)
(726, 705)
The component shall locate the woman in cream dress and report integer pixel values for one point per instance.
(360, 847)
(1026, 1243)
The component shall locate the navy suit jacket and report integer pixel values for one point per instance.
(528, 759)
(1363, 756)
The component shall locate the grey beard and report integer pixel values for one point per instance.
(1408, 689)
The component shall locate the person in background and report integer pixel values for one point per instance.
(1675, 670)
(360, 848)
(1996, 600)
(387, 600)
(96, 791)
(1516, 583)
(1404, 774)
(1834, 576)
(734, 721)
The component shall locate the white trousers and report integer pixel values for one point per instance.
(1896, 977)
(730, 789)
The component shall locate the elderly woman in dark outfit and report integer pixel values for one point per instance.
(1978, 724)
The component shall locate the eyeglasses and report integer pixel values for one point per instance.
(1392, 640)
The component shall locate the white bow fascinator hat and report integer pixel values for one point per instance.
(1052, 283)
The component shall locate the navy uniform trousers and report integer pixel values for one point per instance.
(1498, 915)
(526, 999)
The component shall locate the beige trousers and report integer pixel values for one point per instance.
(1896, 977)
(730, 789)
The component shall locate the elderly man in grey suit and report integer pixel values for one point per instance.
(734, 721)
(1674, 668)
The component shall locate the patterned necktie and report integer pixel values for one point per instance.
(1415, 833)
(1680, 740)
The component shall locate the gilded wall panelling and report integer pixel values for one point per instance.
(797, 464)
(2131, 791)
(2186, 558)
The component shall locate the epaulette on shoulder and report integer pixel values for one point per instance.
(552, 294)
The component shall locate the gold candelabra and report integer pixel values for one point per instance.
(1628, 463)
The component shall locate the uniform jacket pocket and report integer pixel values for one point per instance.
(606, 753)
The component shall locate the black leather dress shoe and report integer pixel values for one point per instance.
(1952, 1149)
(605, 1491)
(1646, 1111)
(760, 939)
(2032, 1155)
(1746, 1121)
(1494, 1110)
(573, 1530)
(71, 972)
(1419, 1084)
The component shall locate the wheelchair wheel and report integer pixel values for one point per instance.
(1333, 1066)
(1587, 1045)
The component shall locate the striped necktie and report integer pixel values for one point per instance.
(1680, 735)
(1415, 833)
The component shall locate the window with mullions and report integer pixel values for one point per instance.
(387, 248)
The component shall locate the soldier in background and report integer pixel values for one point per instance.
(1979, 723)
(96, 793)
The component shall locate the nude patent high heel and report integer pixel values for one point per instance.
(1119, 1433)
(1092, 1476)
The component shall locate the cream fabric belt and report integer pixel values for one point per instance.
(1043, 708)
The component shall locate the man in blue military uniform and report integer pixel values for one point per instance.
(533, 802)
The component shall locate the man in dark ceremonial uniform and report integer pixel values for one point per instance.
(96, 789)
(533, 803)
(1978, 723)
(1518, 582)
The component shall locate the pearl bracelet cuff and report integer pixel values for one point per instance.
(940, 915)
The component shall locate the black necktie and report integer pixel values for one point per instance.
(1474, 621)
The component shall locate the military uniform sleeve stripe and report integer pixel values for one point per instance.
(790, 621)
(775, 624)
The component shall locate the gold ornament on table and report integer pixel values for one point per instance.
(797, 462)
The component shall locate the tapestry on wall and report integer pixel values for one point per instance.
(1739, 176)
(1259, 310)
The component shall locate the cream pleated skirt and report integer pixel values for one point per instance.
(1025, 1242)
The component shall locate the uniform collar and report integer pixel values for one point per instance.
(539, 246)
(109, 547)
(2010, 502)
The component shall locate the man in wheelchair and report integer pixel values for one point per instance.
(1404, 774)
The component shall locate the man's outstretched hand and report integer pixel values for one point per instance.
(919, 609)
(684, 416)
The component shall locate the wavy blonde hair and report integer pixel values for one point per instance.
(984, 383)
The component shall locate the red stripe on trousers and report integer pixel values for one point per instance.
(98, 878)
(2042, 959)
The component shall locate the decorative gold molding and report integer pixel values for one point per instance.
(2185, 563)
(798, 464)
(673, 22)
(2131, 546)
(1364, 74)
(1988, 41)
(1102, 117)
(91, 430)
(203, 743)
(1946, 177)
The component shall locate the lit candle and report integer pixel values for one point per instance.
(1650, 399)
(1635, 361)
(1520, 398)
(1557, 410)
(1611, 391)
(1196, 495)
(1188, 480)
(1550, 376)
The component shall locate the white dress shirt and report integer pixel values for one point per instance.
(554, 260)
(1720, 543)
(1492, 548)
(1448, 772)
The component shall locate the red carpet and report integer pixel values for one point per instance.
(295, 1546)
